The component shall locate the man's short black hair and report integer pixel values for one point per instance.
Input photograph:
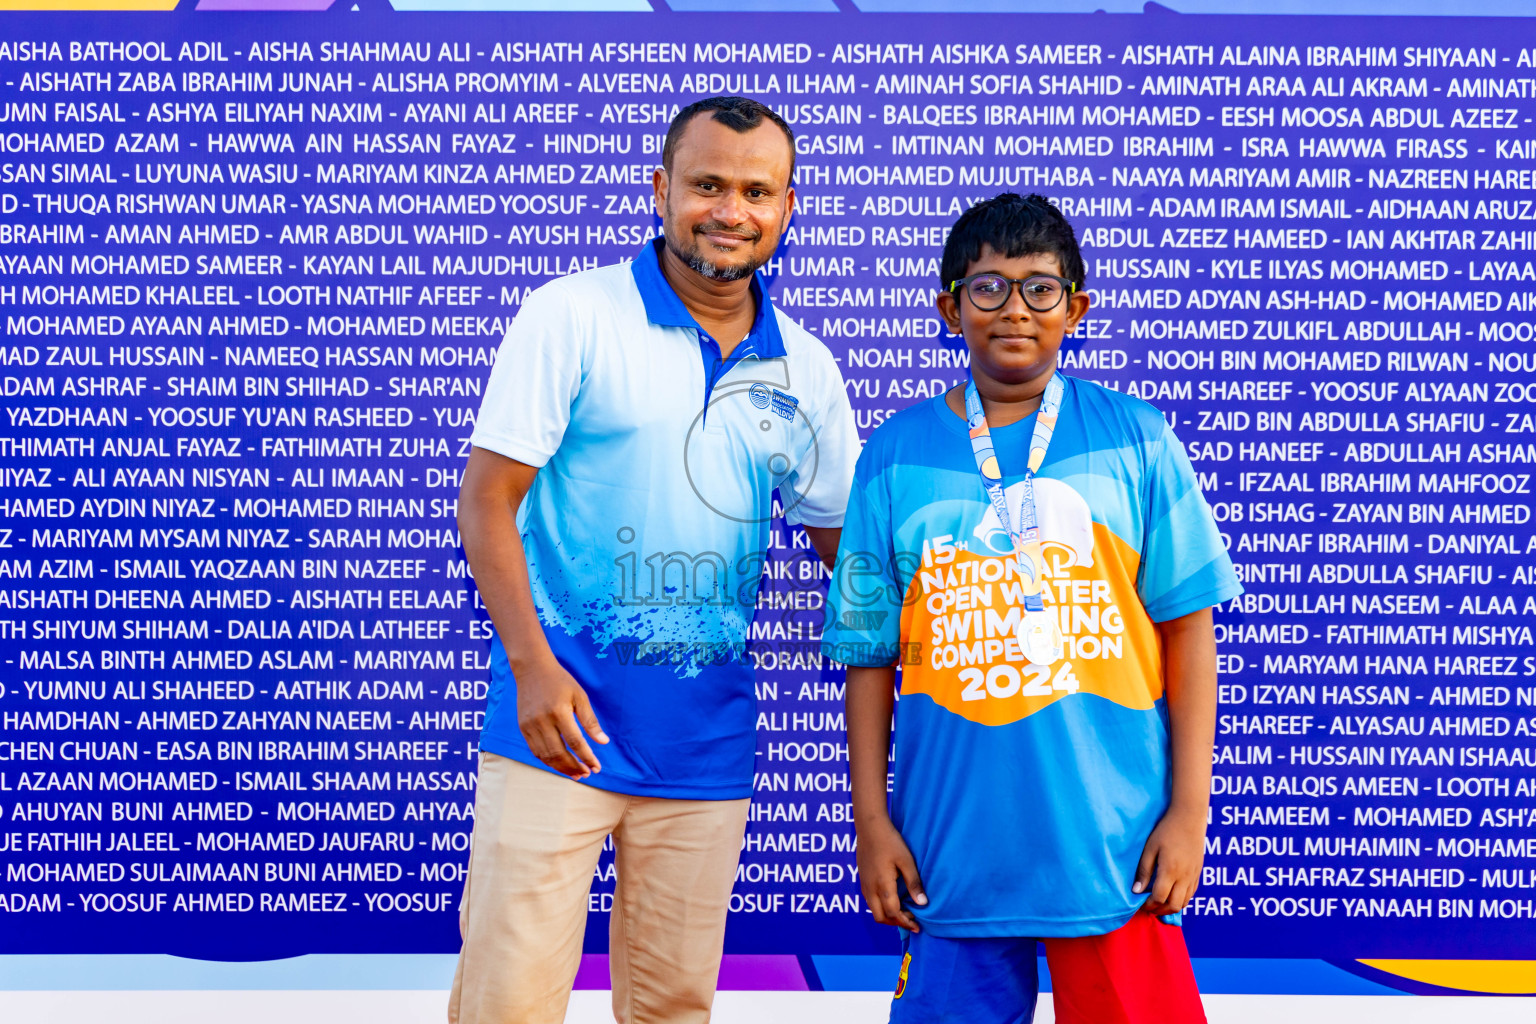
(737, 113)
(1014, 226)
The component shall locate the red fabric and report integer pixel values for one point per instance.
(1138, 974)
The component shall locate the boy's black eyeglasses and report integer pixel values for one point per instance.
(1042, 292)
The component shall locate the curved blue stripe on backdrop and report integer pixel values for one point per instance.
(1002, 6)
(1216, 976)
(1397, 984)
(137, 972)
(522, 5)
(434, 972)
(1398, 8)
(856, 973)
(1264, 976)
(752, 5)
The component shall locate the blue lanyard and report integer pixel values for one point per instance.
(1046, 644)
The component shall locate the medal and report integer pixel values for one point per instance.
(1040, 637)
(1039, 632)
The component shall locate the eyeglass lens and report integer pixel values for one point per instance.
(990, 291)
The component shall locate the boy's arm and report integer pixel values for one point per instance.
(825, 539)
(883, 854)
(1176, 848)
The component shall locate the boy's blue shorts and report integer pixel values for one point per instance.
(1139, 973)
(966, 981)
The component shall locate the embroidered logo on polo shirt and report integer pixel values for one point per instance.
(759, 395)
(784, 404)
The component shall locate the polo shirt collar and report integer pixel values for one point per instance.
(664, 309)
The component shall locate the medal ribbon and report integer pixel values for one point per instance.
(1026, 534)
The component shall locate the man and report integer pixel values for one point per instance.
(615, 513)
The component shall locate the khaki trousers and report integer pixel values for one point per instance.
(536, 843)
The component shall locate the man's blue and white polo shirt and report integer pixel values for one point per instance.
(648, 520)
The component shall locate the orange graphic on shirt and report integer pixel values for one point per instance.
(963, 607)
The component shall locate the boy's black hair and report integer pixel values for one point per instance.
(1014, 226)
(737, 113)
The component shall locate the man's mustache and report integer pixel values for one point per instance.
(716, 228)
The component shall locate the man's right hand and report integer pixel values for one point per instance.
(550, 703)
(883, 855)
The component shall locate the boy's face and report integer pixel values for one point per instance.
(1012, 344)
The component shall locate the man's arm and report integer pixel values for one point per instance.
(549, 701)
(1176, 847)
(883, 854)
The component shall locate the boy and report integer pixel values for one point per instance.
(1036, 550)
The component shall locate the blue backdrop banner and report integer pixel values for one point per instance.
(255, 265)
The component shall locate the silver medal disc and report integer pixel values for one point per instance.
(1040, 637)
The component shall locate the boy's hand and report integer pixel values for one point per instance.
(883, 855)
(1176, 849)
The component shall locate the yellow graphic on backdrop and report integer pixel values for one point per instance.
(1502, 977)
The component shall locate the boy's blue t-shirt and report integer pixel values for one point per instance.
(1026, 794)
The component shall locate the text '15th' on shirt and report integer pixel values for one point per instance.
(646, 527)
(1025, 793)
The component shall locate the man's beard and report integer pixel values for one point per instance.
(701, 265)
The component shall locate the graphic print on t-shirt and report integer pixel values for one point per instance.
(1065, 522)
(964, 603)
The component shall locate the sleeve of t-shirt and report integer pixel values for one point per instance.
(1184, 564)
(863, 624)
(535, 381)
(815, 493)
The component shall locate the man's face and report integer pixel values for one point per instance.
(1012, 344)
(728, 198)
